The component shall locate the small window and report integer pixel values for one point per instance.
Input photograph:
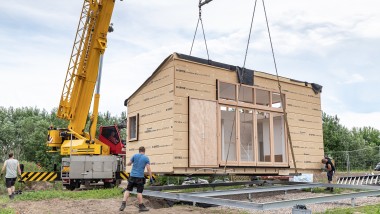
(227, 91)
(245, 94)
(276, 100)
(133, 127)
(262, 97)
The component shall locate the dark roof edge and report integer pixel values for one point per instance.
(210, 62)
(317, 88)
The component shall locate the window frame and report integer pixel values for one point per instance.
(286, 152)
(220, 149)
(255, 146)
(219, 91)
(263, 163)
(136, 128)
(252, 106)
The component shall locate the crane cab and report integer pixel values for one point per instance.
(110, 135)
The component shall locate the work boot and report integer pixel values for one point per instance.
(11, 196)
(123, 205)
(142, 208)
(331, 189)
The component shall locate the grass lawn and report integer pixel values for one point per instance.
(357, 210)
(63, 194)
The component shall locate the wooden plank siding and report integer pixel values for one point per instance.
(304, 117)
(162, 104)
(154, 103)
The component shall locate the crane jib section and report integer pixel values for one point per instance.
(82, 72)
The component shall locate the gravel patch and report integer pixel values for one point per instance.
(298, 194)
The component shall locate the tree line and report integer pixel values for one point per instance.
(357, 148)
(24, 131)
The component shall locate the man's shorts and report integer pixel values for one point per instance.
(330, 175)
(136, 182)
(9, 182)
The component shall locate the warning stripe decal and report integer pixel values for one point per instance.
(38, 176)
(125, 176)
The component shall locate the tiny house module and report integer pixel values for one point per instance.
(197, 116)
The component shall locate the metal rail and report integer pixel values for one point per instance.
(213, 185)
(254, 190)
(207, 197)
(321, 199)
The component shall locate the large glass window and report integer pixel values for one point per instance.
(262, 97)
(245, 94)
(227, 91)
(263, 136)
(279, 138)
(228, 129)
(246, 135)
(252, 126)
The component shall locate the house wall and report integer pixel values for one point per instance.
(162, 105)
(197, 81)
(304, 117)
(154, 105)
(303, 107)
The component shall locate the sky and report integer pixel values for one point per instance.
(333, 43)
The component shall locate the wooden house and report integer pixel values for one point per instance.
(196, 116)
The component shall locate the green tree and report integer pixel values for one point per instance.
(24, 132)
(336, 137)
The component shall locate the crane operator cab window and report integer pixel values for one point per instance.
(110, 133)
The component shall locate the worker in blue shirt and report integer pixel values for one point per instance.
(139, 162)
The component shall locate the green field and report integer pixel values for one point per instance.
(375, 209)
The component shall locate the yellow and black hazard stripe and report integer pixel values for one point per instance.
(125, 176)
(154, 176)
(39, 176)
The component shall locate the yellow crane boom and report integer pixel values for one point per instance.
(81, 78)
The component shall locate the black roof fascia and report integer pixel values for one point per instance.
(245, 76)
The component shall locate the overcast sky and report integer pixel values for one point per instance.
(333, 43)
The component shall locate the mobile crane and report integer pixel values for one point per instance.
(90, 159)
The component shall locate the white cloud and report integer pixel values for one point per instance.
(333, 43)
(354, 119)
(355, 78)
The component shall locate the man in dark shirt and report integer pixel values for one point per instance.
(330, 168)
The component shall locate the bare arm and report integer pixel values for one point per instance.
(19, 169)
(2, 170)
(329, 167)
(129, 163)
(149, 170)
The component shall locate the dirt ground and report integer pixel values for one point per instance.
(103, 206)
(66, 206)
